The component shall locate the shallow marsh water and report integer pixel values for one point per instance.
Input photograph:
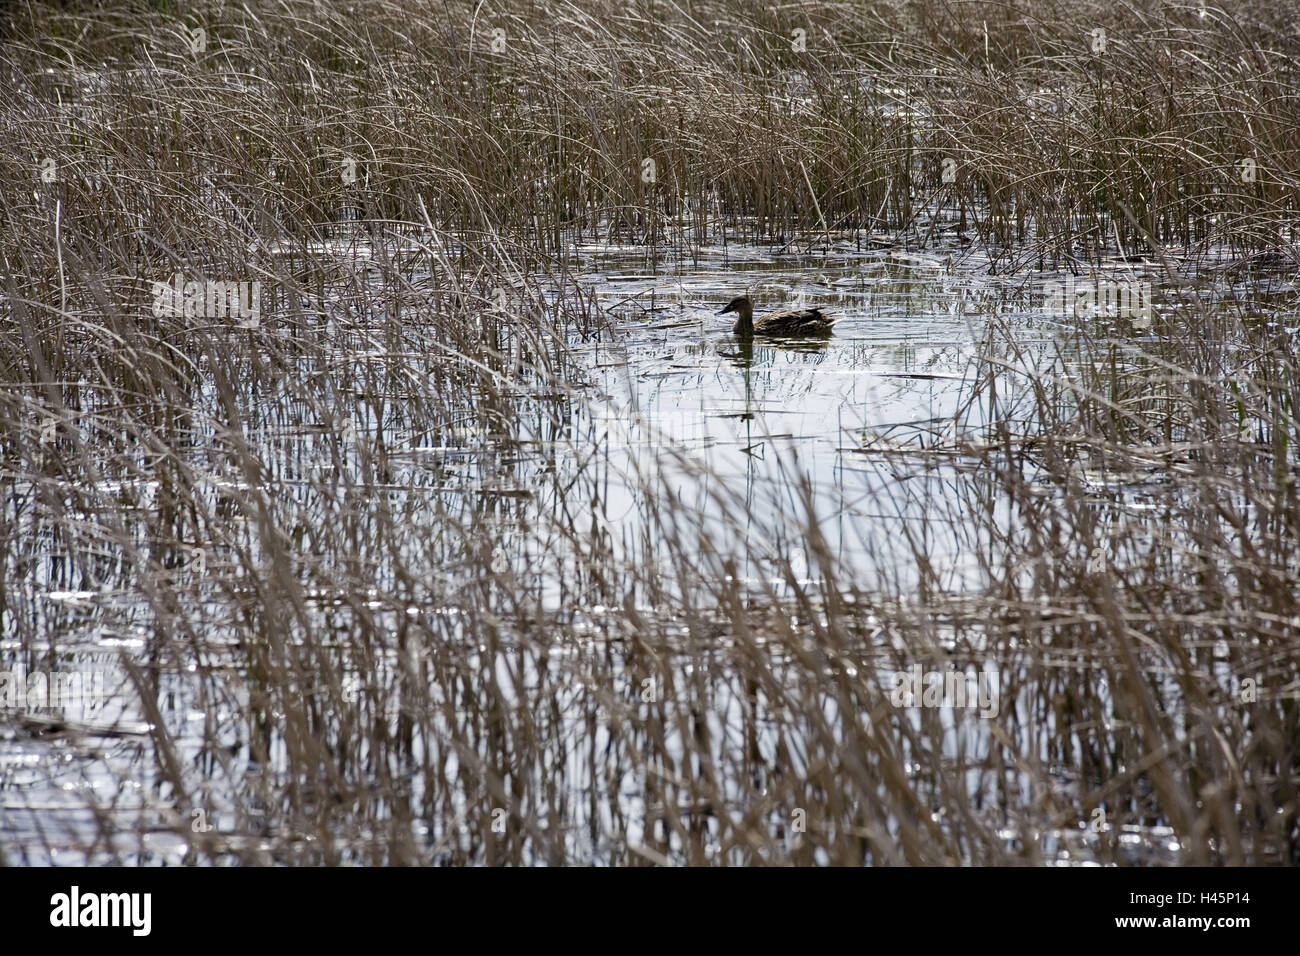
(873, 429)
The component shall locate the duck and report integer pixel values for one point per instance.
(783, 322)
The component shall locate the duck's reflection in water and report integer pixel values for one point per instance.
(757, 361)
(744, 355)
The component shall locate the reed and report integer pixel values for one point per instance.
(388, 542)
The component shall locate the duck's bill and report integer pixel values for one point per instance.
(726, 310)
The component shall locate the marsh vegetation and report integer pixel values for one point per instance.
(472, 536)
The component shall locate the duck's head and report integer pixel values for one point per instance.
(739, 304)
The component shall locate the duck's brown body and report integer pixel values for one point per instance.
(785, 322)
